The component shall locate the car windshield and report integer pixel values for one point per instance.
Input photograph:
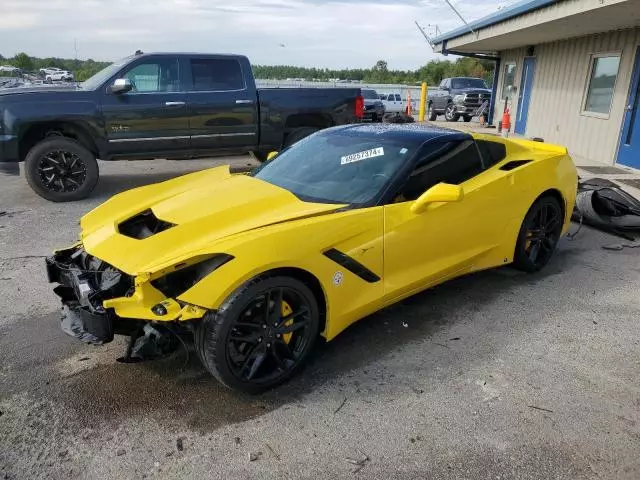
(370, 94)
(341, 166)
(468, 83)
(103, 75)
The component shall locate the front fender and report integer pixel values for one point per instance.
(301, 244)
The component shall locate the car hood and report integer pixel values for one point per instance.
(193, 212)
(472, 90)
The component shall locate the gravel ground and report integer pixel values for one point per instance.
(497, 375)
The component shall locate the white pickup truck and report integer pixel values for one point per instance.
(394, 103)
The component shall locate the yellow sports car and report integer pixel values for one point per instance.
(341, 224)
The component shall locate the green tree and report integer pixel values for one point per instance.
(22, 61)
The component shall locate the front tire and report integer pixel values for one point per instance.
(539, 235)
(450, 113)
(262, 334)
(432, 113)
(60, 169)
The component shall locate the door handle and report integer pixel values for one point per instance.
(629, 107)
(174, 104)
(244, 101)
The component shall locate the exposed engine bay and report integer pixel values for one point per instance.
(85, 282)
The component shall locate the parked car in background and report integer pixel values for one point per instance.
(167, 105)
(393, 103)
(458, 97)
(9, 69)
(373, 106)
(60, 76)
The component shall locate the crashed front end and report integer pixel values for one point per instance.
(99, 301)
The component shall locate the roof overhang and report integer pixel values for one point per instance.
(544, 21)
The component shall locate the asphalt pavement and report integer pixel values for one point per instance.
(497, 375)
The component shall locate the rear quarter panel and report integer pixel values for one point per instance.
(283, 109)
(551, 169)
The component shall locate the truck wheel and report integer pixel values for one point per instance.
(261, 335)
(467, 118)
(260, 156)
(298, 134)
(450, 113)
(432, 113)
(61, 169)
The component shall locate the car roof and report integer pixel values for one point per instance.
(416, 131)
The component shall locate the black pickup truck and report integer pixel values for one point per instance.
(162, 105)
(458, 97)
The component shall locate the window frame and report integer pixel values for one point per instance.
(147, 59)
(504, 78)
(415, 166)
(585, 94)
(191, 86)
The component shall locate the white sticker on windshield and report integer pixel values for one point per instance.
(356, 157)
(403, 151)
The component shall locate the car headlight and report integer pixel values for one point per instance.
(174, 284)
(459, 99)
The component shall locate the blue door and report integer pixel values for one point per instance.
(526, 84)
(629, 149)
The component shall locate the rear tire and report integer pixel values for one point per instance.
(260, 156)
(539, 235)
(250, 347)
(60, 169)
(298, 134)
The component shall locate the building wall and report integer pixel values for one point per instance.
(561, 77)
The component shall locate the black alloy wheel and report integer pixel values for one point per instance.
(261, 336)
(60, 169)
(539, 235)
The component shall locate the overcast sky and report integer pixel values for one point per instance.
(322, 33)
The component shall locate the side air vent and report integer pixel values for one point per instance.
(514, 164)
(352, 265)
(143, 225)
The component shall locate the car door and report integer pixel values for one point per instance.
(447, 239)
(152, 118)
(441, 94)
(222, 105)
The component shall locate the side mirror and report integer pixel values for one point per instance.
(442, 192)
(121, 85)
(271, 155)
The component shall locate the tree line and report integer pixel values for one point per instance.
(432, 72)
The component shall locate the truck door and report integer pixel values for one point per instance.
(152, 118)
(223, 107)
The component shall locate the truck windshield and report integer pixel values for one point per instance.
(369, 94)
(103, 75)
(458, 83)
(339, 166)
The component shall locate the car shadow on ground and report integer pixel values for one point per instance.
(177, 389)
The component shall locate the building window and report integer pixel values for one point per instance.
(508, 78)
(602, 81)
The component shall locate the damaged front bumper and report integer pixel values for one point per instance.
(98, 300)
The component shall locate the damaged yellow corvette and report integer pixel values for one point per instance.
(341, 224)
